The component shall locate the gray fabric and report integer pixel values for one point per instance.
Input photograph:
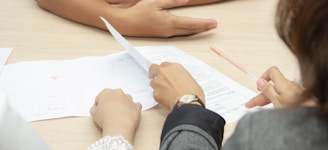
(16, 134)
(188, 137)
(192, 127)
(293, 129)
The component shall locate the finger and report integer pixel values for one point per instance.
(259, 100)
(153, 70)
(92, 110)
(194, 23)
(269, 91)
(260, 83)
(250, 104)
(188, 26)
(276, 77)
(129, 96)
(165, 4)
(139, 106)
(119, 91)
(165, 63)
(98, 97)
(96, 101)
(153, 82)
(156, 96)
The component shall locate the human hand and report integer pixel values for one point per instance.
(170, 81)
(122, 3)
(116, 113)
(281, 92)
(151, 18)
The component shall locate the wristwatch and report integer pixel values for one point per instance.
(188, 99)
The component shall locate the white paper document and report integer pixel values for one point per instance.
(52, 89)
(222, 94)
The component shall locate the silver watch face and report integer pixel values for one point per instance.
(187, 98)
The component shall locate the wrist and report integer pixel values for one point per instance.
(127, 134)
(113, 16)
(189, 99)
(121, 128)
(111, 142)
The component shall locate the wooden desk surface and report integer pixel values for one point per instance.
(246, 30)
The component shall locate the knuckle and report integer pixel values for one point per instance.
(274, 68)
(165, 63)
(156, 94)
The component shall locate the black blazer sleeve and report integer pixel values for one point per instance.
(209, 123)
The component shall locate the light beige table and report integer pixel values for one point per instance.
(246, 30)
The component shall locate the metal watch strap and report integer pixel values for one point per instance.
(197, 99)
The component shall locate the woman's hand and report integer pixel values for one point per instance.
(146, 18)
(151, 18)
(170, 81)
(116, 114)
(281, 92)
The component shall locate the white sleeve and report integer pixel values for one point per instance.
(111, 143)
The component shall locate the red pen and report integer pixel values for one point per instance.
(234, 63)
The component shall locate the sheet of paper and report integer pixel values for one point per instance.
(52, 89)
(223, 95)
(4, 55)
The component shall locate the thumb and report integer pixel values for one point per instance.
(165, 4)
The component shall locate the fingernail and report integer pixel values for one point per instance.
(260, 83)
(211, 24)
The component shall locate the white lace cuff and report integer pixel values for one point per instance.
(111, 143)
